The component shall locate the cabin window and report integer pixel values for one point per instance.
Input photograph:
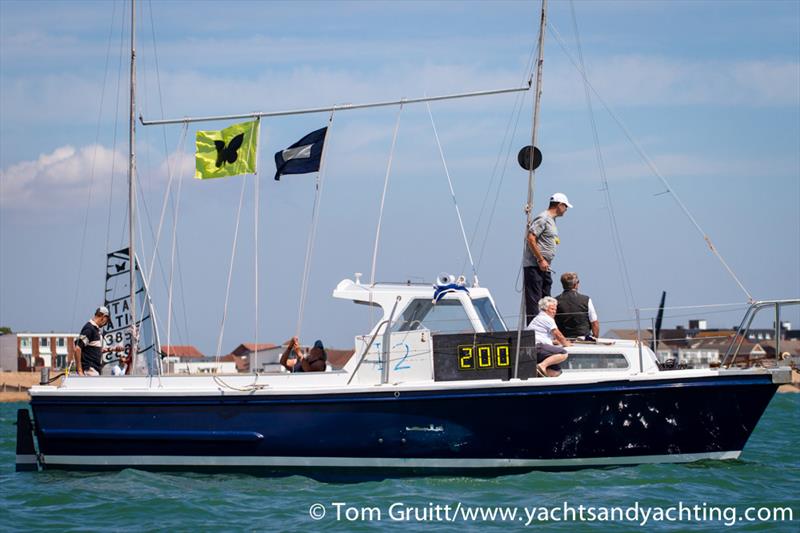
(595, 361)
(447, 316)
(491, 320)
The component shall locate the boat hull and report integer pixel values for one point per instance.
(474, 430)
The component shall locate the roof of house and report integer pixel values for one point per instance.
(627, 334)
(181, 350)
(792, 347)
(249, 347)
(668, 336)
(720, 333)
(338, 358)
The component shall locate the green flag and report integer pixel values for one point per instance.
(226, 152)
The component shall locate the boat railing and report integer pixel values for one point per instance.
(741, 333)
(387, 323)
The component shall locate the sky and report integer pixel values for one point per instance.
(709, 91)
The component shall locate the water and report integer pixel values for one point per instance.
(768, 475)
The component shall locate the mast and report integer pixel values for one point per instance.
(131, 175)
(531, 172)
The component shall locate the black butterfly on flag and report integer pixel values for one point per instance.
(228, 154)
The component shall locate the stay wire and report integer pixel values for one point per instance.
(230, 270)
(255, 236)
(233, 259)
(156, 236)
(175, 218)
(380, 215)
(167, 197)
(313, 231)
(168, 162)
(615, 236)
(383, 198)
(649, 162)
(91, 172)
(119, 103)
(514, 117)
(453, 195)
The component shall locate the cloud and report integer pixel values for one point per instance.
(179, 165)
(639, 80)
(623, 163)
(59, 178)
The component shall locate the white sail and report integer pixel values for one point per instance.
(117, 299)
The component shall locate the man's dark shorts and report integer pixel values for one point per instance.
(543, 351)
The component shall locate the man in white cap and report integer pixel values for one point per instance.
(89, 346)
(539, 253)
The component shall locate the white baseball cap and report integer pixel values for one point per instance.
(561, 198)
(102, 310)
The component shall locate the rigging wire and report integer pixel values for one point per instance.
(169, 195)
(255, 241)
(383, 198)
(615, 236)
(380, 215)
(122, 55)
(537, 97)
(91, 172)
(172, 255)
(147, 273)
(313, 232)
(230, 269)
(514, 117)
(453, 195)
(146, 302)
(649, 162)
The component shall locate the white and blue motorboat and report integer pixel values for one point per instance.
(413, 400)
(439, 385)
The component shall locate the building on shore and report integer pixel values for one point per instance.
(698, 346)
(38, 350)
(8, 352)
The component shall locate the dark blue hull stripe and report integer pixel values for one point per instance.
(137, 434)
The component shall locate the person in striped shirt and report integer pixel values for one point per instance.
(89, 346)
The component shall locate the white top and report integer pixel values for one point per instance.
(543, 324)
(592, 312)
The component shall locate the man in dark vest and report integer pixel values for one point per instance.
(576, 316)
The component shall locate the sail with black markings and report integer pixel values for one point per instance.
(117, 299)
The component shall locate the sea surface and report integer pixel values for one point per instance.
(767, 476)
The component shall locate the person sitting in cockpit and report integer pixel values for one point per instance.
(550, 342)
(314, 361)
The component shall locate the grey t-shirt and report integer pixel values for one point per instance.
(546, 232)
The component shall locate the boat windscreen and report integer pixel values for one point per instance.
(491, 320)
(447, 316)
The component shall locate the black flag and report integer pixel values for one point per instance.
(303, 156)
